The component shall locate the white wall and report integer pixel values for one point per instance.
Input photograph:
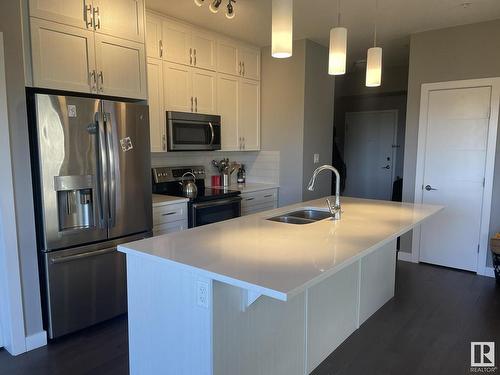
(11, 25)
(297, 117)
(457, 53)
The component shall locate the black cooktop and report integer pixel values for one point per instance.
(204, 193)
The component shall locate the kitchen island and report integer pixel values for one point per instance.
(253, 296)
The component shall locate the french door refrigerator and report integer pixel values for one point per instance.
(92, 186)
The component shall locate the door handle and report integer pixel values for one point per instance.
(429, 188)
(386, 167)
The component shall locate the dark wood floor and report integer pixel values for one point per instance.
(425, 329)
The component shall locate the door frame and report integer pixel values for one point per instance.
(394, 138)
(426, 88)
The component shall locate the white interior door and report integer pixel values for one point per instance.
(454, 171)
(369, 154)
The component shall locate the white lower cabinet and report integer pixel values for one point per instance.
(259, 201)
(169, 218)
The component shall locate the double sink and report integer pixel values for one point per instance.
(306, 216)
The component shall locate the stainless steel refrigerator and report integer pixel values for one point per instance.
(92, 186)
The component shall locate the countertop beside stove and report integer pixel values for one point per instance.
(163, 200)
(250, 187)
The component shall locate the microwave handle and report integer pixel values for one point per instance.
(213, 133)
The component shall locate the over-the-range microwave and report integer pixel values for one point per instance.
(193, 131)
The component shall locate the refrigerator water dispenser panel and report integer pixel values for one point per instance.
(75, 202)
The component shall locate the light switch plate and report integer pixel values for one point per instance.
(202, 294)
(316, 158)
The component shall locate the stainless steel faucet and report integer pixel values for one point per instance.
(335, 209)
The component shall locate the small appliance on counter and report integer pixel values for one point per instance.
(193, 132)
(242, 175)
(208, 205)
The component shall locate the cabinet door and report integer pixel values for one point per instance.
(250, 59)
(157, 118)
(62, 56)
(69, 12)
(177, 88)
(203, 49)
(154, 46)
(121, 67)
(204, 91)
(227, 58)
(249, 114)
(176, 42)
(227, 107)
(120, 18)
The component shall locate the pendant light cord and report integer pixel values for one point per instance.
(375, 31)
(338, 13)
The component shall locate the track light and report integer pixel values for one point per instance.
(199, 2)
(214, 6)
(230, 10)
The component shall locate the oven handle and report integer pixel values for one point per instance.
(213, 133)
(216, 203)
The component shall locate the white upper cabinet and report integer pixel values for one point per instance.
(157, 119)
(154, 44)
(120, 18)
(176, 40)
(76, 13)
(204, 91)
(121, 67)
(250, 60)
(63, 56)
(249, 114)
(177, 87)
(203, 46)
(227, 57)
(227, 108)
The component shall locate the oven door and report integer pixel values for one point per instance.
(186, 135)
(214, 211)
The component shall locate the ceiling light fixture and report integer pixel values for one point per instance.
(374, 59)
(282, 29)
(214, 6)
(338, 48)
(199, 2)
(230, 9)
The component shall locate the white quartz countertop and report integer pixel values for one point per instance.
(162, 200)
(281, 260)
(250, 187)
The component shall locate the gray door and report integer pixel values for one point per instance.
(68, 155)
(129, 168)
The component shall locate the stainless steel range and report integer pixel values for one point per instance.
(92, 188)
(209, 205)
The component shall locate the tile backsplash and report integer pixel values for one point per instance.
(261, 166)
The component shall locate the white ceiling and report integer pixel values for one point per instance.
(397, 19)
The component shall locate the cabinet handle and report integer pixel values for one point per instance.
(190, 56)
(88, 15)
(93, 81)
(239, 70)
(195, 63)
(192, 104)
(169, 213)
(196, 104)
(161, 48)
(268, 196)
(101, 78)
(250, 199)
(98, 24)
(164, 141)
(243, 68)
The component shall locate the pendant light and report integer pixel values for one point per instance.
(282, 29)
(374, 59)
(338, 47)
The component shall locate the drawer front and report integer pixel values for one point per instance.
(169, 213)
(173, 227)
(259, 197)
(258, 208)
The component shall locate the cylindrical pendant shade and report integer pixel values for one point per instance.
(282, 35)
(338, 51)
(374, 67)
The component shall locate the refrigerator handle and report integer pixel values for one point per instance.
(111, 169)
(102, 167)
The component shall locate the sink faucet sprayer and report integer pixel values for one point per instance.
(335, 209)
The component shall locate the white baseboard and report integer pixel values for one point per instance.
(36, 341)
(405, 257)
(489, 271)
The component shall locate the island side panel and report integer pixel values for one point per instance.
(169, 331)
(332, 313)
(378, 277)
(267, 337)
